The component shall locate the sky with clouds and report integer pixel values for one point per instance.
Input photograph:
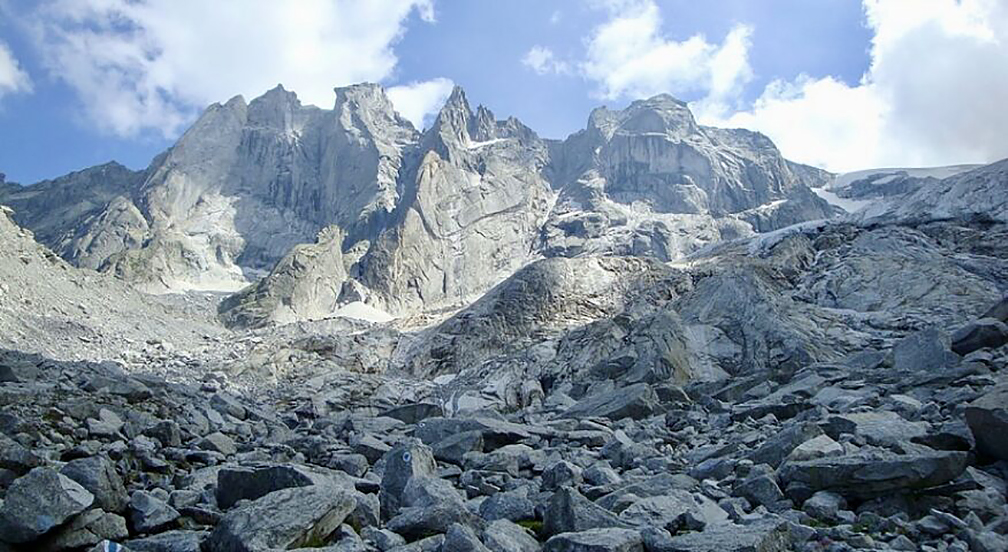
(842, 84)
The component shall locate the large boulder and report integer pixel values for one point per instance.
(236, 483)
(767, 535)
(871, 474)
(284, 519)
(634, 401)
(99, 477)
(775, 449)
(980, 334)
(569, 511)
(596, 540)
(404, 462)
(926, 351)
(987, 417)
(38, 502)
(149, 514)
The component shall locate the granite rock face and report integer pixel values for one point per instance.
(353, 204)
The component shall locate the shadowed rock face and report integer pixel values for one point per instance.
(426, 220)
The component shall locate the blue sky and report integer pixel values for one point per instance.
(837, 83)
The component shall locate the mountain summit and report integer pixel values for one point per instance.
(353, 203)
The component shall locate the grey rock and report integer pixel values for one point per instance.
(250, 483)
(505, 536)
(15, 457)
(38, 502)
(818, 447)
(454, 447)
(402, 463)
(569, 511)
(430, 491)
(672, 507)
(596, 540)
(370, 447)
(824, 506)
(99, 477)
(87, 529)
(169, 541)
(760, 489)
(382, 539)
(765, 535)
(981, 334)
(601, 474)
(460, 538)
(512, 506)
(924, 351)
(284, 519)
(635, 401)
(417, 522)
(987, 418)
(218, 442)
(780, 445)
(149, 514)
(560, 474)
(879, 427)
(871, 474)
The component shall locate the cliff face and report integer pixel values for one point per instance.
(424, 220)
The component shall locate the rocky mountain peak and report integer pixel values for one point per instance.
(661, 114)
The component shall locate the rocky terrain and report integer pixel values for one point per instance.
(652, 336)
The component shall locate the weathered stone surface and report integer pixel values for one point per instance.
(218, 442)
(87, 529)
(149, 514)
(763, 536)
(15, 457)
(596, 540)
(871, 474)
(99, 477)
(506, 536)
(635, 401)
(285, 519)
(780, 445)
(249, 483)
(169, 541)
(981, 334)
(404, 462)
(460, 538)
(926, 351)
(38, 502)
(512, 506)
(569, 511)
(987, 418)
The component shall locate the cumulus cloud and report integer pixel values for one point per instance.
(629, 56)
(542, 60)
(152, 64)
(418, 102)
(13, 79)
(933, 94)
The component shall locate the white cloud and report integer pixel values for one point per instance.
(542, 60)
(933, 95)
(420, 101)
(555, 17)
(152, 64)
(13, 79)
(629, 56)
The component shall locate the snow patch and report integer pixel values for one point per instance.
(849, 205)
(478, 145)
(362, 311)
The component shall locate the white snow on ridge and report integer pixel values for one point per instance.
(362, 311)
(849, 205)
(846, 179)
(477, 145)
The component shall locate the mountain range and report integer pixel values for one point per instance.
(311, 329)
